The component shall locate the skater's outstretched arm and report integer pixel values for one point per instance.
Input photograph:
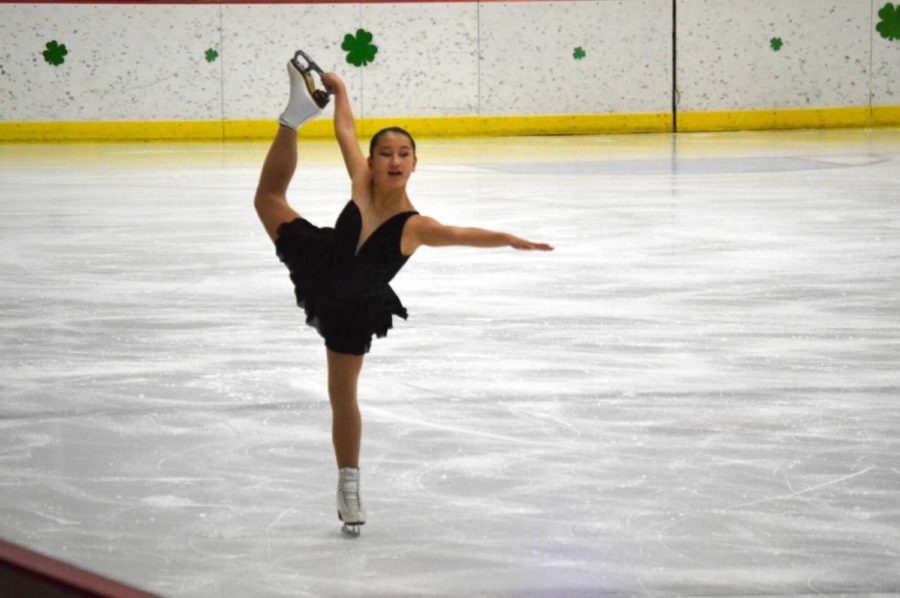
(422, 230)
(345, 129)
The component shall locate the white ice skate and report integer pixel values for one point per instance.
(349, 504)
(305, 100)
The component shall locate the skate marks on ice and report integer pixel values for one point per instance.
(694, 394)
(676, 480)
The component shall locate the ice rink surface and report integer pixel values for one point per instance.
(696, 394)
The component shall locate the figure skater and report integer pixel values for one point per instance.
(341, 274)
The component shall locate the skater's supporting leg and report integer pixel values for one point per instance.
(271, 193)
(346, 433)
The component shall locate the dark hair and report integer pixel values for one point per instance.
(383, 132)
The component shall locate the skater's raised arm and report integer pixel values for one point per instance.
(345, 129)
(422, 230)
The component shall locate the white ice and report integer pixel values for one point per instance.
(695, 394)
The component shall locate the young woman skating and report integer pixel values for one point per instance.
(341, 274)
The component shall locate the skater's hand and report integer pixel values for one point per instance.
(523, 245)
(333, 83)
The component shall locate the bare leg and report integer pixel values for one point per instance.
(346, 432)
(280, 164)
(271, 193)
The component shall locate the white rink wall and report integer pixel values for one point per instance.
(830, 55)
(148, 62)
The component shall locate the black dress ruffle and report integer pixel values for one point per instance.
(344, 293)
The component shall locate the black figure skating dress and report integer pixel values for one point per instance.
(345, 294)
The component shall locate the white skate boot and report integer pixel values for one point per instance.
(305, 100)
(349, 505)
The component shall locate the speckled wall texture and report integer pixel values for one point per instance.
(209, 62)
(776, 54)
(149, 62)
(134, 62)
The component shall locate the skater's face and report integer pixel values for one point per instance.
(393, 159)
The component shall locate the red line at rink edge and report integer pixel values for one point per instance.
(264, 2)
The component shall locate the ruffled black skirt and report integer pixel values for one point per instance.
(344, 313)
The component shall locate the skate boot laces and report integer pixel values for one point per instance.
(306, 66)
(350, 504)
(348, 501)
(350, 495)
(350, 509)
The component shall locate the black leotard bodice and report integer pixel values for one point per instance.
(363, 270)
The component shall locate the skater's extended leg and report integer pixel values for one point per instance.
(343, 376)
(281, 161)
(271, 192)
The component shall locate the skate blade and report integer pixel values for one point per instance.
(351, 530)
(319, 96)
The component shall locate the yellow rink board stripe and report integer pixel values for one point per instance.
(800, 118)
(458, 126)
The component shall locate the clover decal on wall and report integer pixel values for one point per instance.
(359, 48)
(889, 26)
(55, 53)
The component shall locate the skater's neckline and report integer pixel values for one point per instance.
(360, 244)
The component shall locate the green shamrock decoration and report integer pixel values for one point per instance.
(360, 50)
(211, 55)
(579, 53)
(776, 43)
(55, 53)
(889, 27)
